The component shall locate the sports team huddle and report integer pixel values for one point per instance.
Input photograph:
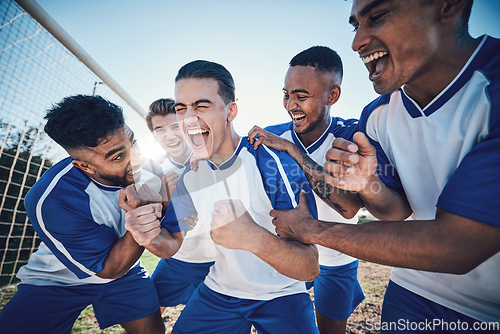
(246, 225)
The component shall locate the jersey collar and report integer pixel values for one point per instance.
(229, 162)
(314, 146)
(475, 60)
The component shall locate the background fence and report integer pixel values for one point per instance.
(39, 65)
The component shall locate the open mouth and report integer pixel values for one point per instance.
(198, 137)
(375, 63)
(298, 117)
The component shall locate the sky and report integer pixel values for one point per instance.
(142, 44)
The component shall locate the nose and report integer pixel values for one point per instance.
(135, 156)
(361, 39)
(290, 103)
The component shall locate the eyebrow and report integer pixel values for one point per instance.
(195, 103)
(368, 8)
(121, 148)
(113, 151)
(295, 91)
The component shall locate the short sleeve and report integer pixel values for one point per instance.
(385, 169)
(283, 180)
(65, 225)
(473, 191)
(180, 207)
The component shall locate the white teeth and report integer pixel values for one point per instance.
(297, 117)
(193, 132)
(377, 55)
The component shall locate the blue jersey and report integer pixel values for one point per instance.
(78, 221)
(263, 180)
(447, 155)
(338, 128)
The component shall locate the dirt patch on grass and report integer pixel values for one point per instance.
(373, 279)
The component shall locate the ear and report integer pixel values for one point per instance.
(451, 9)
(85, 166)
(233, 111)
(334, 95)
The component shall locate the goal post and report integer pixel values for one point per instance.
(40, 64)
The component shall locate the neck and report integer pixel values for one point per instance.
(227, 148)
(442, 71)
(318, 129)
(182, 159)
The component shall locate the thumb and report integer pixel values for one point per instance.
(364, 147)
(303, 200)
(157, 209)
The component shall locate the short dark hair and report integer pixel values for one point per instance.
(159, 107)
(82, 121)
(322, 58)
(207, 69)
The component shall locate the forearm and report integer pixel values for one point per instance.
(289, 257)
(121, 258)
(447, 244)
(345, 202)
(165, 244)
(383, 202)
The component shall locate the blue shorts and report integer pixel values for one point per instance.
(176, 280)
(54, 309)
(210, 312)
(337, 291)
(406, 312)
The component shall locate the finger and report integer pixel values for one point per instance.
(335, 168)
(345, 145)
(122, 200)
(365, 148)
(274, 214)
(341, 156)
(303, 200)
(145, 209)
(253, 133)
(259, 141)
(336, 181)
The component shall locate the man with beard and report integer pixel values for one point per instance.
(86, 255)
(257, 278)
(312, 86)
(429, 150)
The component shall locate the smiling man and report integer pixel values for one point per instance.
(312, 86)
(86, 256)
(435, 136)
(258, 278)
(177, 277)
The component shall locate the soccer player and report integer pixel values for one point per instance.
(86, 255)
(435, 132)
(258, 278)
(177, 277)
(312, 86)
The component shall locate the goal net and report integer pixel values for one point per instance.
(36, 71)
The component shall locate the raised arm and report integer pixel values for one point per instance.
(346, 203)
(352, 166)
(144, 225)
(448, 244)
(233, 227)
(126, 251)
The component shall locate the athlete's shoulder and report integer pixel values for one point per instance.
(62, 183)
(380, 101)
(279, 129)
(343, 128)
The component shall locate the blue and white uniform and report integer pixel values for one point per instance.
(78, 221)
(336, 290)
(447, 155)
(240, 283)
(176, 278)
